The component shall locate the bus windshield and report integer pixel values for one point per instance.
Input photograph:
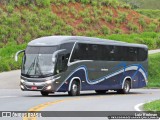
(37, 61)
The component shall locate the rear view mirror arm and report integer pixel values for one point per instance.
(55, 53)
(16, 56)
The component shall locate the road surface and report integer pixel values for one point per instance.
(17, 100)
(13, 99)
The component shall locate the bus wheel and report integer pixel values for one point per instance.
(126, 88)
(75, 89)
(101, 91)
(44, 93)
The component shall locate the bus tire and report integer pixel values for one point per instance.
(43, 93)
(126, 88)
(75, 88)
(100, 91)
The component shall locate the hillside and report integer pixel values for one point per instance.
(22, 21)
(144, 4)
(150, 8)
(150, 13)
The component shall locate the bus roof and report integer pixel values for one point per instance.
(57, 40)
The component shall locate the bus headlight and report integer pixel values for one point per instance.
(22, 81)
(22, 87)
(49, 87)
(49, 82)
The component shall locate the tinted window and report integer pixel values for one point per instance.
(86, 52)
(41, 50)
(80, 52)
(108, 53)
(131, 54)
(63, 57)
(68, 47)
(142, 54)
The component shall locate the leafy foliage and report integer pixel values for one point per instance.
(154, 69)
(22, 21)
(152, 106)
(150, 13)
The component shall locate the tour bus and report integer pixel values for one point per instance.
(76, 63)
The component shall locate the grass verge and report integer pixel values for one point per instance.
(154, 70)
(152, 106)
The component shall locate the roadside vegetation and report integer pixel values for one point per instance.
(152, 39)
(150, 13)
(21, 22)
(154, 71)
(143, 4)
(152, 106)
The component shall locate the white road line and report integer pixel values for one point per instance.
(154, 51)
(137, 107)
(7, 96)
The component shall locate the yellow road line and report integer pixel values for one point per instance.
(44, 105)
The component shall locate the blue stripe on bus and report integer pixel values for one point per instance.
(102, 79)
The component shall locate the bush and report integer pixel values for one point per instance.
(133, 27)
(151, 27)
(153, 71)
(127, 6)
(69, 30)
(117, 31)
(142, 22)
(85, 1)
(122, 17)
(87, 20)
(43, 2)
(108, 19)
(105, 30)
(150, 12)
(82, 27)
(90, 33)
(84, 13)
(118, 20)
(10, 8)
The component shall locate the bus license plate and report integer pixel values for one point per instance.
(34, 88)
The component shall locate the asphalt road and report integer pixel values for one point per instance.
(17, 100)
(13, 99)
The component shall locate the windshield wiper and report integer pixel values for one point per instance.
(31, 66)
(38, 66)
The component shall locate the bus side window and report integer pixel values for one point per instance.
(75, 54)
(142, 54)
(68, 47)
(132, 54)
(61, 64)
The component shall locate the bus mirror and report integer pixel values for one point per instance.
(55, 54)
(16, 56)
(53, 60)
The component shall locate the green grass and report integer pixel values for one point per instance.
(154, 70)
(144, 4)
(21, 22)
(152, 39)
(7, 57)
(152, 106)
(150, 13)
(46, 3)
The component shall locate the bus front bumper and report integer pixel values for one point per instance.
(37, 86)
